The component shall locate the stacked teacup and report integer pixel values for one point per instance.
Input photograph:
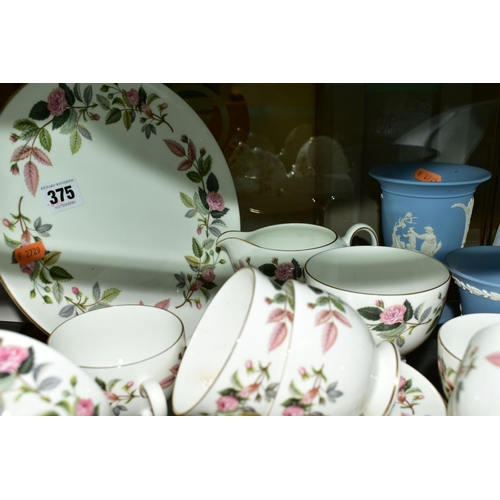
(265, 349)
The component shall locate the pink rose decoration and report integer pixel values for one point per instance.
(6, 222)
(111, 396)
(393, 314)
(13, 138)
(28, 268)
(96, 117)
(147, 111)
(12, 357)
(248, 365)
(164, 105)
(198, 305)
(75, 290)
(227, 404)
(133, 97)
(15, 170)
(215, 201)
(402, 382)
(284, 271)
(85, 408)
(129, 384)
(302, 371)
(309, 396)
(208, 275)
(293, 411)
(56, 103)
(198, 230)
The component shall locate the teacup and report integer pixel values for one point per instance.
(333, 366)
(132, 351)
(37, 380)
(453, 338)
(235, 359)
(280, 251)
(400, 294)
(477, 388)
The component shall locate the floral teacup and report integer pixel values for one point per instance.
(133, 353)
(400, 294)
(37, 380)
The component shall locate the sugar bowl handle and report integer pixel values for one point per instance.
(152, 390)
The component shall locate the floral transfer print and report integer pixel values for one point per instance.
(468, 364)
(282, 316)
(394, 322)
(331, 312)
(446, 373)
(408, 397)
(48, 278)
(308, 403)
(20, 375)
(238, 397)
(66, 110)
(278, 272)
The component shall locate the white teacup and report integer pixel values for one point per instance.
(132, 351)
(477, 387)
(37, 380)
(333, 365)
(400, 294)
(235, 359)
(453, 339)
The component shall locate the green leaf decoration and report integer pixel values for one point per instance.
(152, 97)
(85, 132)
(11, 243)
(208, 243)
(87, 95)
(194, 176)
(409, 311)
(73, 381)
(291, 402)
(236, 381)
(370, 313)
(322, 301)
(100, 305)
(59, 121)
(214, 231)
(28, 363)
(25, 124)
(45, 139)
(67, 407)
(75, 141)
(217, 214)
(212, 182)
(206, 294)
(44, 278)
(393, 334)
(51, 258)
(120, 101)
(70, 124)
(39, 111)
(70, 97)
(205, 165)
(50, 413)
(7, 382)
(268, 269)
(435, 321)
(67, 311)
(295, 389)
(190, 213)
(58, 291)
(47, 299)
(114, 115)
(142, 94)
(425, 314)
(337, 304)
(32, 294)
(199, 205)
(77, 91)
(59, 274)
(103, 102)
(27, 135)
(192, 261)
(382, 327)
(96, 292)
(127, 119)
(110, 294)
(197, 248)
(34, 274)
(100, 383)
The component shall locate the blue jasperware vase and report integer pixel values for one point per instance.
(428, 217)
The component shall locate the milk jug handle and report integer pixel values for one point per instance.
(356, 228)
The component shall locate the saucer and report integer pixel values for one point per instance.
(417, 397)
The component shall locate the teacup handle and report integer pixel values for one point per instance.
(356, 228)
(152, 390)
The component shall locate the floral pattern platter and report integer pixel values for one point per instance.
(110, 194)
(417, 396)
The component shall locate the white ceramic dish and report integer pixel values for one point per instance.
(147, 192)
(417, 397)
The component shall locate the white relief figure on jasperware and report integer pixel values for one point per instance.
(468, 214)
(430, 245)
